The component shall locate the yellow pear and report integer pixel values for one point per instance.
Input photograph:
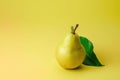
(70, 53)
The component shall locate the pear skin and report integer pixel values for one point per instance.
(70, 53)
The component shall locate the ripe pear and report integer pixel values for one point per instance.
(70, 53)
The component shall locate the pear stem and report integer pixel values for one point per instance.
(75, 28)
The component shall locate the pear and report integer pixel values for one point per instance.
(70, 53)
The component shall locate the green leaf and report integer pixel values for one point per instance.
(90, 59)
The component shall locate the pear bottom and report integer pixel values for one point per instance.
(71, 68)
(71, 60)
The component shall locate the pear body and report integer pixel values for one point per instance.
(70, 53)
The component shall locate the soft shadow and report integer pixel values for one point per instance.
(79, 69)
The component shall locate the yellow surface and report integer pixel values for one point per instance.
(31, 29)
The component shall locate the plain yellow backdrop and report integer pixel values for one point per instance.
(31, 29)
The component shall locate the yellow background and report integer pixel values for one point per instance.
(31, 29)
